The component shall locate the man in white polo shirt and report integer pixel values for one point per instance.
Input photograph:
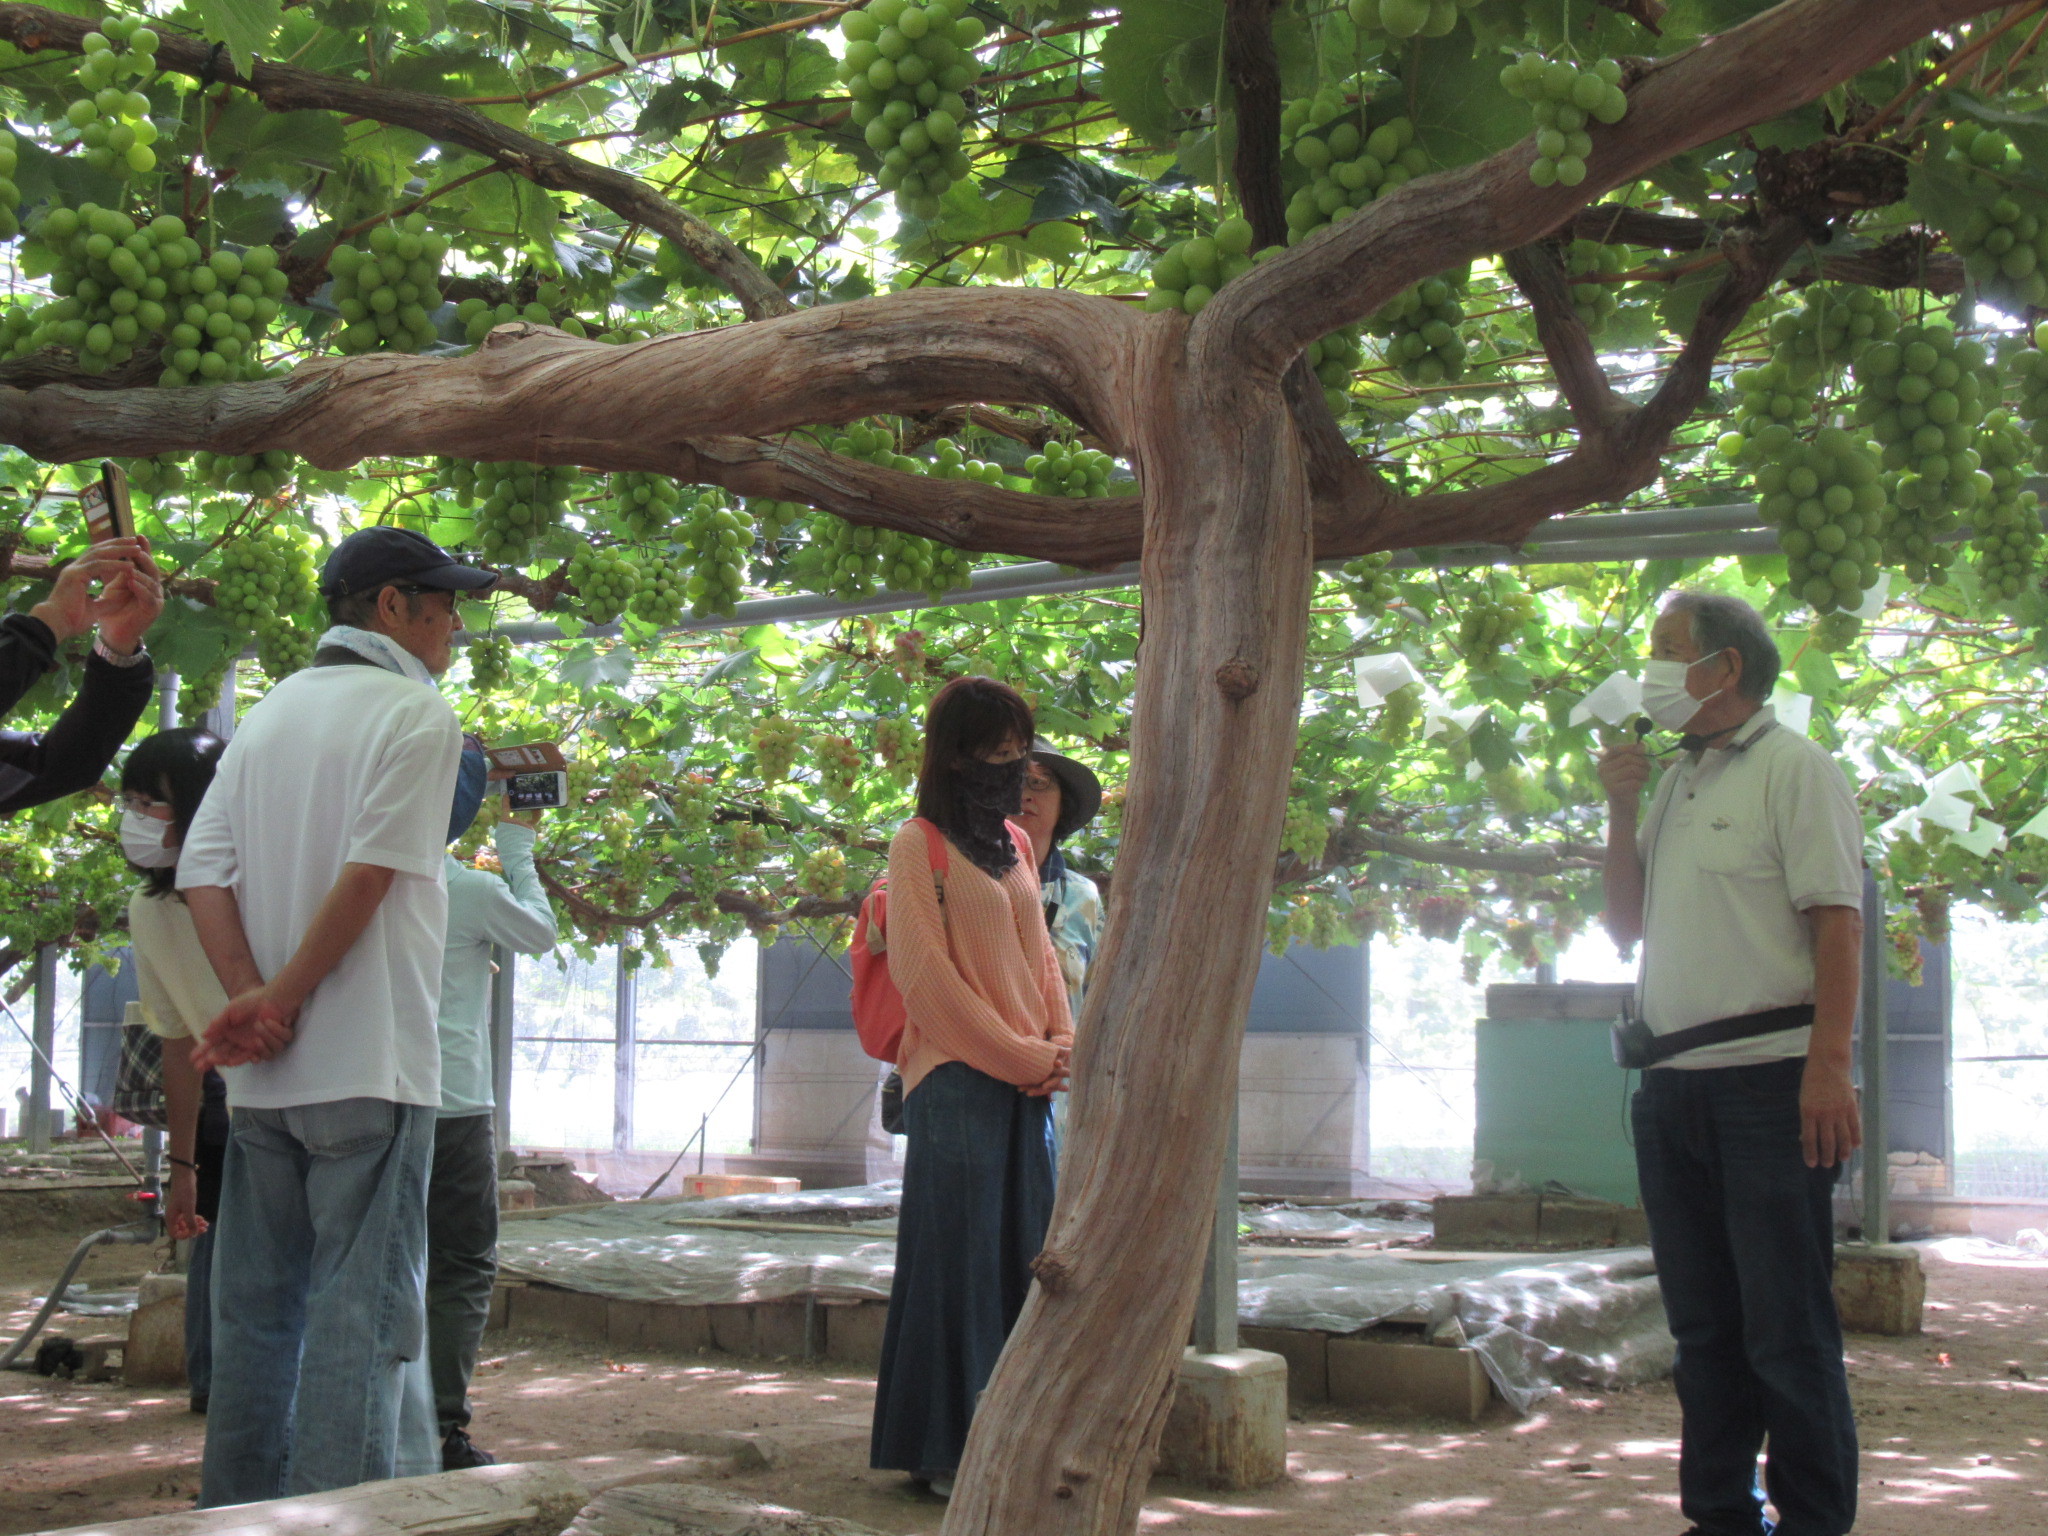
(1744, 882)
(314, 874)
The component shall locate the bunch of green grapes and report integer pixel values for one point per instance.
(605, 581)
(200, 692)
(1588, 264)
(1421, 327)
(479, 317)
(643, 505)
(154, 477)
(1068, 469)
(775, 519)
(2006, 524)
(219, 307)
(718, 536)
(514, 502)
(1770, 411)
(1334, 359)
(906, 66)
(844, 559)
(776, 741)
(262, 475)
(950, 462)
(1407, 18)
(1491, 619)
(1187, 276)
(1836, 632)
(112, 118)
(839, 764)
(386, 295)
(1307, 832)
(1399, 715)
(899, 745)
(1831, 329)
(266, 578)
(1373, 590)
(1923, 397)
(1827, 498)
(490, 663)
(1563, 97)
(693, 802)
(824, 873)
(1348, 169)
(2004, 241)
(10, 194)
(2028, 367)
(17, 330)
(749, 844)
(663, 591)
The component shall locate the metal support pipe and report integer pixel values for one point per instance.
(625, 1042)
(44, 1028)
(504, 1008)
(1216, 1312)
(1877, 1162)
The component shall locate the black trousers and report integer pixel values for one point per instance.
(462, 1258)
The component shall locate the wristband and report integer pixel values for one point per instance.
(181, 1162)
(134, 659)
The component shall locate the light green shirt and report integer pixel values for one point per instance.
(484, 910)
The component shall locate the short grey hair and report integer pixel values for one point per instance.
(1723, 623)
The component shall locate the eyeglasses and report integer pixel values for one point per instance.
(1040, 785)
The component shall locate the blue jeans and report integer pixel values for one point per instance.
(1744, 1236)
(318, 1297)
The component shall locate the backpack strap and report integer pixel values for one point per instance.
(935, 851)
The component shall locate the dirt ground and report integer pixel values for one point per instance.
(1954, 1426)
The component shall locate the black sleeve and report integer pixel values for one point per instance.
(74, 752)
(26, 650)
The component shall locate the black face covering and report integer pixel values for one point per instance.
(988, 794)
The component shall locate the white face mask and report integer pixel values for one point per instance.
(142, 839)
(1664, 697)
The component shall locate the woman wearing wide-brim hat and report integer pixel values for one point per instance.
(1061, 796)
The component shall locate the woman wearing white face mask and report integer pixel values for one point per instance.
(162, 784)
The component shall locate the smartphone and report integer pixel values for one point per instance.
(108, 513)
(537, 791)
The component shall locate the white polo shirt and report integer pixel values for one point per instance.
(339, 765)
(1739, 842)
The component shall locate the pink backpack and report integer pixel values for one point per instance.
(878, 1012)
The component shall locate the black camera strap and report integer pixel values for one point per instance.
(1636, 1047)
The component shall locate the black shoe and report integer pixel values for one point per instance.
(199, 1403)
(459, 1451)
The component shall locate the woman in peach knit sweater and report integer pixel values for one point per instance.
(984, 1050)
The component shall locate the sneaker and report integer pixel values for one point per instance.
(459, 1451)
(942, 1487)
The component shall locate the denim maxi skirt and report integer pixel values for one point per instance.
(977, 1198)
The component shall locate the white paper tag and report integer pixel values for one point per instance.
(1956, 779)
(2038, 827)
(1382, 675)
(1612, 702)
(1982, 838)
(1794, 712)
(1875, 599)
(1947, 811)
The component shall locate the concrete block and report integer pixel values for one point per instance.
(562, 1314)
(517, 1195)
(714, 1186)
(660, 1325)
(854, 1334)
(732, 1329)
(678, 1509)
(1567, 1221)
(501, 1304)
(1487, 1221)
(1632, 1227)
(1306, 1353)
(155, 1352)
(1879, 1288)
(103, 1358)
(1228, 1424)
(1415, 1378)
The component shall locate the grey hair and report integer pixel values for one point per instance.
(358, 610)
(1723, 623)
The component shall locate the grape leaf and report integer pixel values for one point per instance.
(1137, 73)
(244, 25)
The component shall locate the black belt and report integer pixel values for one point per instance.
(1635, 1046)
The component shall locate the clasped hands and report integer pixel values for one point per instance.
(1056, 1080)
(255, 1026)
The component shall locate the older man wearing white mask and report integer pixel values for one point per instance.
(1744, 884)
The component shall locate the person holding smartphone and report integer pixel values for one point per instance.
(118, 679)
(484, 910)
(985, 1047)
